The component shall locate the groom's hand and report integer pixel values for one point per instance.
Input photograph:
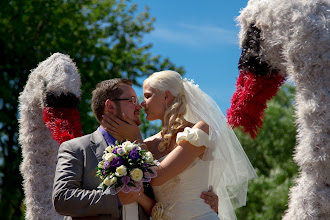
(210, 198)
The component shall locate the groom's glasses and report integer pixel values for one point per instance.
(133, 99)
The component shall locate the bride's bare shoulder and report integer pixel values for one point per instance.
(153, 141)
(153, 137)
(203, 126)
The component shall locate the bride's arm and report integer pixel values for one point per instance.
(140, 197)
(146, 202)
(179, 159)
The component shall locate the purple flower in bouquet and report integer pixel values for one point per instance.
(144, 167)
(116, 162)
(125, 180)
(134, 154)
(115, 150)
(103, 172)
(120, 151)
(106, 165)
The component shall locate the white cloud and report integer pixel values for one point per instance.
(198, 36)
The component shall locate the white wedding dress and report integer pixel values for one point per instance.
(179, 198)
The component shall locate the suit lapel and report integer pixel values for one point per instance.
(98, 144)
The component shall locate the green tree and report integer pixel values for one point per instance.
(271, 153)
(103, 37)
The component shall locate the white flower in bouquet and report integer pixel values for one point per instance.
(109, 156)
(149, 157)
(110, 181)
(109, 149)
(136, 174)
(121, 171)
(128, 146)
(100, 165)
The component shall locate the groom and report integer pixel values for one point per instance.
(75, 193)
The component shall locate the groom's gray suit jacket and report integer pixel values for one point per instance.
(75, 191)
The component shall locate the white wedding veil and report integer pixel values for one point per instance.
(230, 168)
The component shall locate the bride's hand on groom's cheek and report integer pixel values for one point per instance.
(210, 198)
(124, 128)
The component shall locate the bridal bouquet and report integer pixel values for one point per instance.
(124, 167)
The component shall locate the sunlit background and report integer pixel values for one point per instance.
(202, 37)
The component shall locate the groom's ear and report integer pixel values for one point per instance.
(110, 106)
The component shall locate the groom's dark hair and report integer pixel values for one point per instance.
(107, 89)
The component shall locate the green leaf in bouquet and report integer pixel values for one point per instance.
(131, 184)
(119, 181)
(118, 185)
(150, 171)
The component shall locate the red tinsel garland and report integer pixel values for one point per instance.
(64, 123)
(249, 100)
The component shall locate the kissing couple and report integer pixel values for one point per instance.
(195, 147)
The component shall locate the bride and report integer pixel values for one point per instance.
(196, 149)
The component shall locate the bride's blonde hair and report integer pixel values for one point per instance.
(174, 115)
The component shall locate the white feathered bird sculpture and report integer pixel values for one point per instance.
(48, 116)
(290, 38)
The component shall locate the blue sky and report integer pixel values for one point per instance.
(202, 37)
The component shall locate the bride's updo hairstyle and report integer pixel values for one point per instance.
(171, 81)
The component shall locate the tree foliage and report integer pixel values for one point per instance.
(271, 154)
(103, 37)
